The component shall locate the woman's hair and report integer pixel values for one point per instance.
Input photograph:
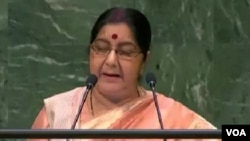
(137, 22)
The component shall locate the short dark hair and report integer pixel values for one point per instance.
(137, 21)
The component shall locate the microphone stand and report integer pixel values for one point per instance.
(84, 98)
(152, 86)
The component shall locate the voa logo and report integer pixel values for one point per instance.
(236, 132)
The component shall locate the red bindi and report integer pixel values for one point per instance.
(114, 36)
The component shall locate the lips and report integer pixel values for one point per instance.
(111, 74)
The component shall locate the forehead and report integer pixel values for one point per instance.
(121, 31)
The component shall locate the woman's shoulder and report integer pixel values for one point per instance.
(63, 98)
(167, 102)
(175, 108)
(197, 121)
(66, 94)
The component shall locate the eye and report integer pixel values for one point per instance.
(126, 50)
(102, 48)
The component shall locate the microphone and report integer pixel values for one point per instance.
(90, 83)
(151, 81)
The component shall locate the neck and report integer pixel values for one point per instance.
(100, 103)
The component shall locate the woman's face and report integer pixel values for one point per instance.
(116, 59)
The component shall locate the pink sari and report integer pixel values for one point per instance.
(139, 113)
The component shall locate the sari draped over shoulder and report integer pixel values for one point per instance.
(139, 113)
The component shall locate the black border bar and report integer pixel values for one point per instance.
(110, 133)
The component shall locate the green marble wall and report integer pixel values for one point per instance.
(200, 53)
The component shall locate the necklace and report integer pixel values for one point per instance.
(91, 101)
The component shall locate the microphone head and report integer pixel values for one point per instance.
(91, 81)
(150, 79)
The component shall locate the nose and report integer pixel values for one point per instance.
(111, 59)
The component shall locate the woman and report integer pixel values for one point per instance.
(119, 50)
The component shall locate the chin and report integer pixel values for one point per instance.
(109, 88)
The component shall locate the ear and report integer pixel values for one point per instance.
(145, 62)
(147, 57)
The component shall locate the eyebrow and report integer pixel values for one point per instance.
(123, 43)
(126, 43)
(103, 40)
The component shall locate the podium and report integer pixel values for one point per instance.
(110, 133)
